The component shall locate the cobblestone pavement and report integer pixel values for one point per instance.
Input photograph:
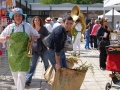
(91, 82)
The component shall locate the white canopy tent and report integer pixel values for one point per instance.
(116, 13)
(110, 14)
(111, 3)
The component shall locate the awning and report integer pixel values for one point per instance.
(65, 6)
(111, 3)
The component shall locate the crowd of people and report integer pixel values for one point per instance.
(98, 31)
(19, 33)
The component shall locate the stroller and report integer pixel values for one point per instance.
(113, 64)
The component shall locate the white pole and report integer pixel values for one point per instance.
(103, 11)
(104, 8)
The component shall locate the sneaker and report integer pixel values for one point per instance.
(95, 49)
(89, 48)
(102, 68)
(78, 54)
(92, 48)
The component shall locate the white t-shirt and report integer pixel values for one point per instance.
(28, 29)
(49, 27)
(55, 25)
(78, 27)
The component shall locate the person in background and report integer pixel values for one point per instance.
(53, 21)
(77, 36)
(59, 22)
(18, 34)
(109, 24)
(56, 44)
(117, 25)
(1, 29)
(93, 33)
(48, 25)
(91, 24)
(8, 22)
(87, 37)
(103, 33)
(41, 50)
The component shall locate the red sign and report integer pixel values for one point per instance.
(0, 13)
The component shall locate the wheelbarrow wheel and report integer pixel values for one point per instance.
(108, 86)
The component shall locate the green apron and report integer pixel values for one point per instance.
(17, 50)
(75, 34)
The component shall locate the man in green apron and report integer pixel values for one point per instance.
(18, 34)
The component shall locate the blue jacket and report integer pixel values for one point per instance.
(57, 39)
(87, 33)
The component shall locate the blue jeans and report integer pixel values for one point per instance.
(34, 60)
(51, 55)
(87, 43)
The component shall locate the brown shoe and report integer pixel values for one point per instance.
(112, 75)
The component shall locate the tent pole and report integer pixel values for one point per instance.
(103, 11)
(113, 18)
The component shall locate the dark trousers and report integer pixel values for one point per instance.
(102, 57)
(95, 41)
(91, 41)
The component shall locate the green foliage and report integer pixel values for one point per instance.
(72, 59)
(84, 67)
(71, 1)
(86, 1)
(66, 1)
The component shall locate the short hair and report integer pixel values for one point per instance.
(117, 21)
(87, 26)
(40, 19)
(96, 21)
(67, 18)
(23, 17)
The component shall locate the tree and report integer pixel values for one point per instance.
(66, 1)
(86, 1)
(51, 1)
(71, 1)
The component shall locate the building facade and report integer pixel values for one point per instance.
(34, 7)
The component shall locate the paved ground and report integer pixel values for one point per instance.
(91, 82)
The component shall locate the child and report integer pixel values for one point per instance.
(87, 37)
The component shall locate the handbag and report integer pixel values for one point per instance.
(45, 40)
(68, 46)
(36, 46)
(49, 74)
(103, 43)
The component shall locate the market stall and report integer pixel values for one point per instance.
(113, 52)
